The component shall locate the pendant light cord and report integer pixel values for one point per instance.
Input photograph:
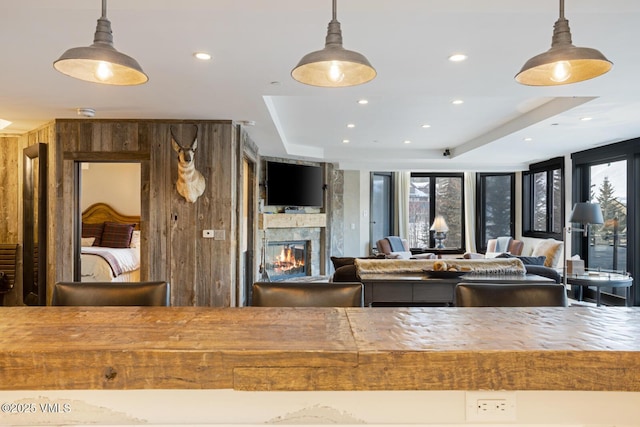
(104, 9)
(335, 13)
(561, 9)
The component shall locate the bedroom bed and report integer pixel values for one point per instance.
(110, 245)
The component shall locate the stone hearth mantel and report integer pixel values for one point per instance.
(292, 220)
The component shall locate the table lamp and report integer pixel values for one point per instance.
(440, 229)
(584, 213)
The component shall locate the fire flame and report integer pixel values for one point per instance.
(286, 260)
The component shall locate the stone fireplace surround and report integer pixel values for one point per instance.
(311, 235)
(297, 227)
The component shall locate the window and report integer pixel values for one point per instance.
(431, 195)
(543, 199)
(609, 175)
(608, 244)
(495, 207)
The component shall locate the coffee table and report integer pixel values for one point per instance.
(600, 279)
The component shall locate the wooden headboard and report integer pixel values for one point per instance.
(102, 212)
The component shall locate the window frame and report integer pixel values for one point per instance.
(432, 202)
(548, 167)
(582, 160)
(481, 203)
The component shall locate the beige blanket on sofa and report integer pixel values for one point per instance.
(487, 266)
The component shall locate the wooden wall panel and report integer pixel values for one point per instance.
(201, 271)
(9, 174)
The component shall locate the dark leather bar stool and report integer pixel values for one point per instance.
(511, 295)
(111, 294)
(290, 294)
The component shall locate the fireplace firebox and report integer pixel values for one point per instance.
(286, 259)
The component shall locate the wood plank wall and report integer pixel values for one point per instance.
(9, 219)
(201, 271)
(11, 162)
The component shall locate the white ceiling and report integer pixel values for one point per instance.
(256, 43)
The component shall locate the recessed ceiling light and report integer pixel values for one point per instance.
(345, 141)
(586, 119)
(425, 126)
(203, 56)
(457, 102)
(4, 123)
(363, 101)
(528, 139)
(351, 125)
(457, 57)
(406, 141)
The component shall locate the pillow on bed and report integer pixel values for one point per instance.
(87, 241)
(116, 235)
(135, 239)
(93, 230)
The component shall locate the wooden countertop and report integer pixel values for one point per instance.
(576, 348)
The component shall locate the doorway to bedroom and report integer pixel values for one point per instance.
(110, 206)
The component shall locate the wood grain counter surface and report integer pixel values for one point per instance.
(576, 348)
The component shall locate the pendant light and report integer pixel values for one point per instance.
(101, 62)
(333, 66)
(563, 63)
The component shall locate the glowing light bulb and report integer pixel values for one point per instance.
(335, 72)
(104, 71)
(561, 71)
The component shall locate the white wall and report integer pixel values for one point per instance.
(117, 184)
(351, 205)
(229, 407)
(356, 213)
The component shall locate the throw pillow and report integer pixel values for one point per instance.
(341, 261)
(551, 249)
(93, 230)
(135, 239)
(87, 241)
(116, 235)
(526, 260)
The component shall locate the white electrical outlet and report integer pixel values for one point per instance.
(490, 406)
(207, 234)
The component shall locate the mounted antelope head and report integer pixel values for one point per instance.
(190, 183)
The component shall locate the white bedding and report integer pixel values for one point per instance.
(96, 269)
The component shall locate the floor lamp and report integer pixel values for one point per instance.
(584, 213)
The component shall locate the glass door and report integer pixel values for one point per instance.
(381, 224)
(608, 242)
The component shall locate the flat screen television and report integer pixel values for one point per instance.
(294, 185)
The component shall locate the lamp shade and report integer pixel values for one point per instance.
(333, 66)
(564, 63)
(586, 213)
(101, 62)
(439, 225)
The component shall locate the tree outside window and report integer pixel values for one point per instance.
(431, 195)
